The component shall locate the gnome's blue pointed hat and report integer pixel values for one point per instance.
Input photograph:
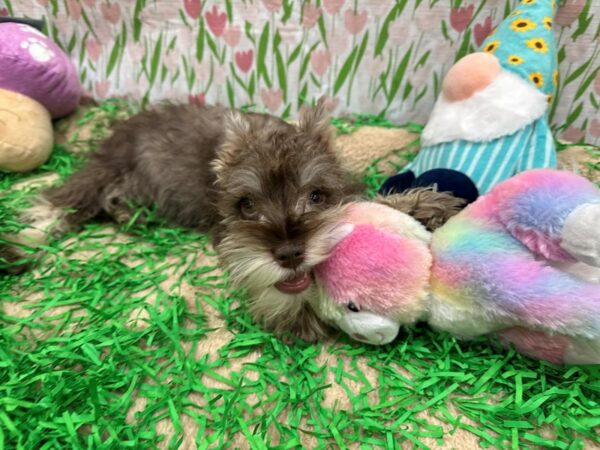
(524, 44)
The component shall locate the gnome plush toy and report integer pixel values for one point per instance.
(489, 122)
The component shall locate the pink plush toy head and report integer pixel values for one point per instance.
(375, 279)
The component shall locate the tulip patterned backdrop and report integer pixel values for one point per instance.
(370, 56)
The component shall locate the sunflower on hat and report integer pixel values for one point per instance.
(524, 44)
(521, 25)
(538, 45)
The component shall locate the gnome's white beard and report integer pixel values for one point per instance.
(505, 106)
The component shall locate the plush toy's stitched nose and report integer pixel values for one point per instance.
(289, 255)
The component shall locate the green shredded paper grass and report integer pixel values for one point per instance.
(101, 347)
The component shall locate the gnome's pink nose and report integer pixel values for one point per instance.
(470, 74)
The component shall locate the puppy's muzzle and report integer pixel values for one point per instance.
(289, 255)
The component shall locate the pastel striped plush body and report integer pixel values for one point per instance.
(521, 263)
(489, 163)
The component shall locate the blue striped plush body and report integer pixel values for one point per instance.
(488, 163)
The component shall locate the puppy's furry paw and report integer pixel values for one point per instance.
(12, 261)
(307, 327)
(431, 208)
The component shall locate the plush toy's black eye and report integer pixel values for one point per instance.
(247, 208)
(352, 307)
(317, 197)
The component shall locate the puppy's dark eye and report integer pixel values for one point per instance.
(352, 307)
(247, 208)
(316, 197)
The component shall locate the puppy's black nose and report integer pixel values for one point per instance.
(289, 255)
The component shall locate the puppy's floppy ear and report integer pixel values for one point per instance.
(236, 126)
(237, 130)
(316, 122)
(431, 208)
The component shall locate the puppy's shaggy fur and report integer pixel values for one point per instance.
(431, 208)
(262, 187)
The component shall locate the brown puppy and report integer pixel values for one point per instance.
(265, 189)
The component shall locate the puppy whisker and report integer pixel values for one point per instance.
(254, 270)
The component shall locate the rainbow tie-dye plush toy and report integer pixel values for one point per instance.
(521, 263)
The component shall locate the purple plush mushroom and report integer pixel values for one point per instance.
(33, 65)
